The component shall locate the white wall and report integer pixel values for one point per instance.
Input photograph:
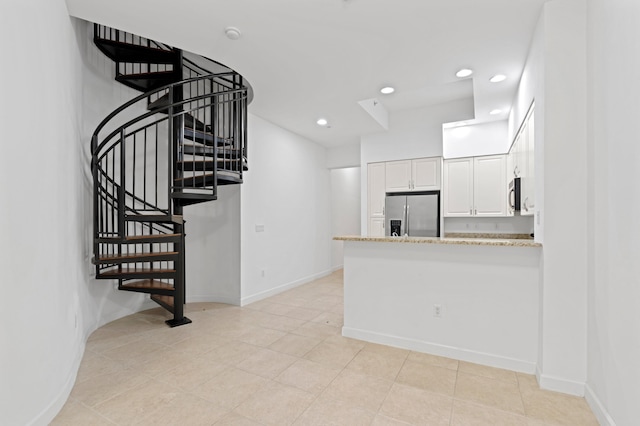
(213, 248)
(475, 140)
(412, 134)
(345, 209)
(288, 191)
(613, 387)
(52, 302)
(343, 156)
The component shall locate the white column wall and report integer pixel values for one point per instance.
(287, 190)
(613, 386)
(562, 361)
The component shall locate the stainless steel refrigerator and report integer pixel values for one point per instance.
(413, 214)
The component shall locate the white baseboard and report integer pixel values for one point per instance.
(442, 350)
(54, 407)
(558, 384)
(284, 287)
(214, 298)
(598, 408)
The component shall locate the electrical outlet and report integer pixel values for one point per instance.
(437, 311)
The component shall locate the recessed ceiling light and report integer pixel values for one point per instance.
(322, 122)
(464, 72)
(498, 78)
(387, 90)
(232, 33)
(495, 111)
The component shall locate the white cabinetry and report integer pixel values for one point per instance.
(528, 185)
(490, 186)
(421, 174)
(458, 187)
(376, 173)
(398, 176)
(425, 174)
(523, 164)
(475, 186)
(376, 226)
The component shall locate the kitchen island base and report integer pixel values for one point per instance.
(477, 303)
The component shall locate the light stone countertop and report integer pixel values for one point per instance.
(440, 240)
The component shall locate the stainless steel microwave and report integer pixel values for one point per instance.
(515, 191)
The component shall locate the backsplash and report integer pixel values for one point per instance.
(489, 225)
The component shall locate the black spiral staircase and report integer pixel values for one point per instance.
(163, 150)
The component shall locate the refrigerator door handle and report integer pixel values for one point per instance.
(403, 229)
(408, 230)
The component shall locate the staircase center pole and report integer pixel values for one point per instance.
(176, 148)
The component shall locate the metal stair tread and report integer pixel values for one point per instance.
(156, 74)
(204, 165)
(165, 301)
(154, 218)
(133, 257)
(205, 137)
(148, 285)
(133, 53)
(140, 239)
(134, 238)
(134, 270)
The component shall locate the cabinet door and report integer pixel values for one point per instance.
(425, 174)
(458, 187)
(398, 175)
(510, 176)
(528, 184)
(490, 186)
(521, 151)
(376, 227)
(376, 189)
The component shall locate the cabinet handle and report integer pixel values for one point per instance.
(470, 212)
(382, 210)
(409, 183)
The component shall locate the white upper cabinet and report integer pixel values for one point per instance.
(425, 174)
(475, 186)
(490, 186)
(523, 165)
(528, 184)
(421, 174)
(376, 189)
(458, 187)
(398, 176)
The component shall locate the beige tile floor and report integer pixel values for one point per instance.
(282, 361)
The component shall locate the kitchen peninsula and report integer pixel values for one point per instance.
(473, 299)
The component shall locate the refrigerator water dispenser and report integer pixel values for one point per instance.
(396, 226)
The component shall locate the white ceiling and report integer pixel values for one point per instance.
(311, 58)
